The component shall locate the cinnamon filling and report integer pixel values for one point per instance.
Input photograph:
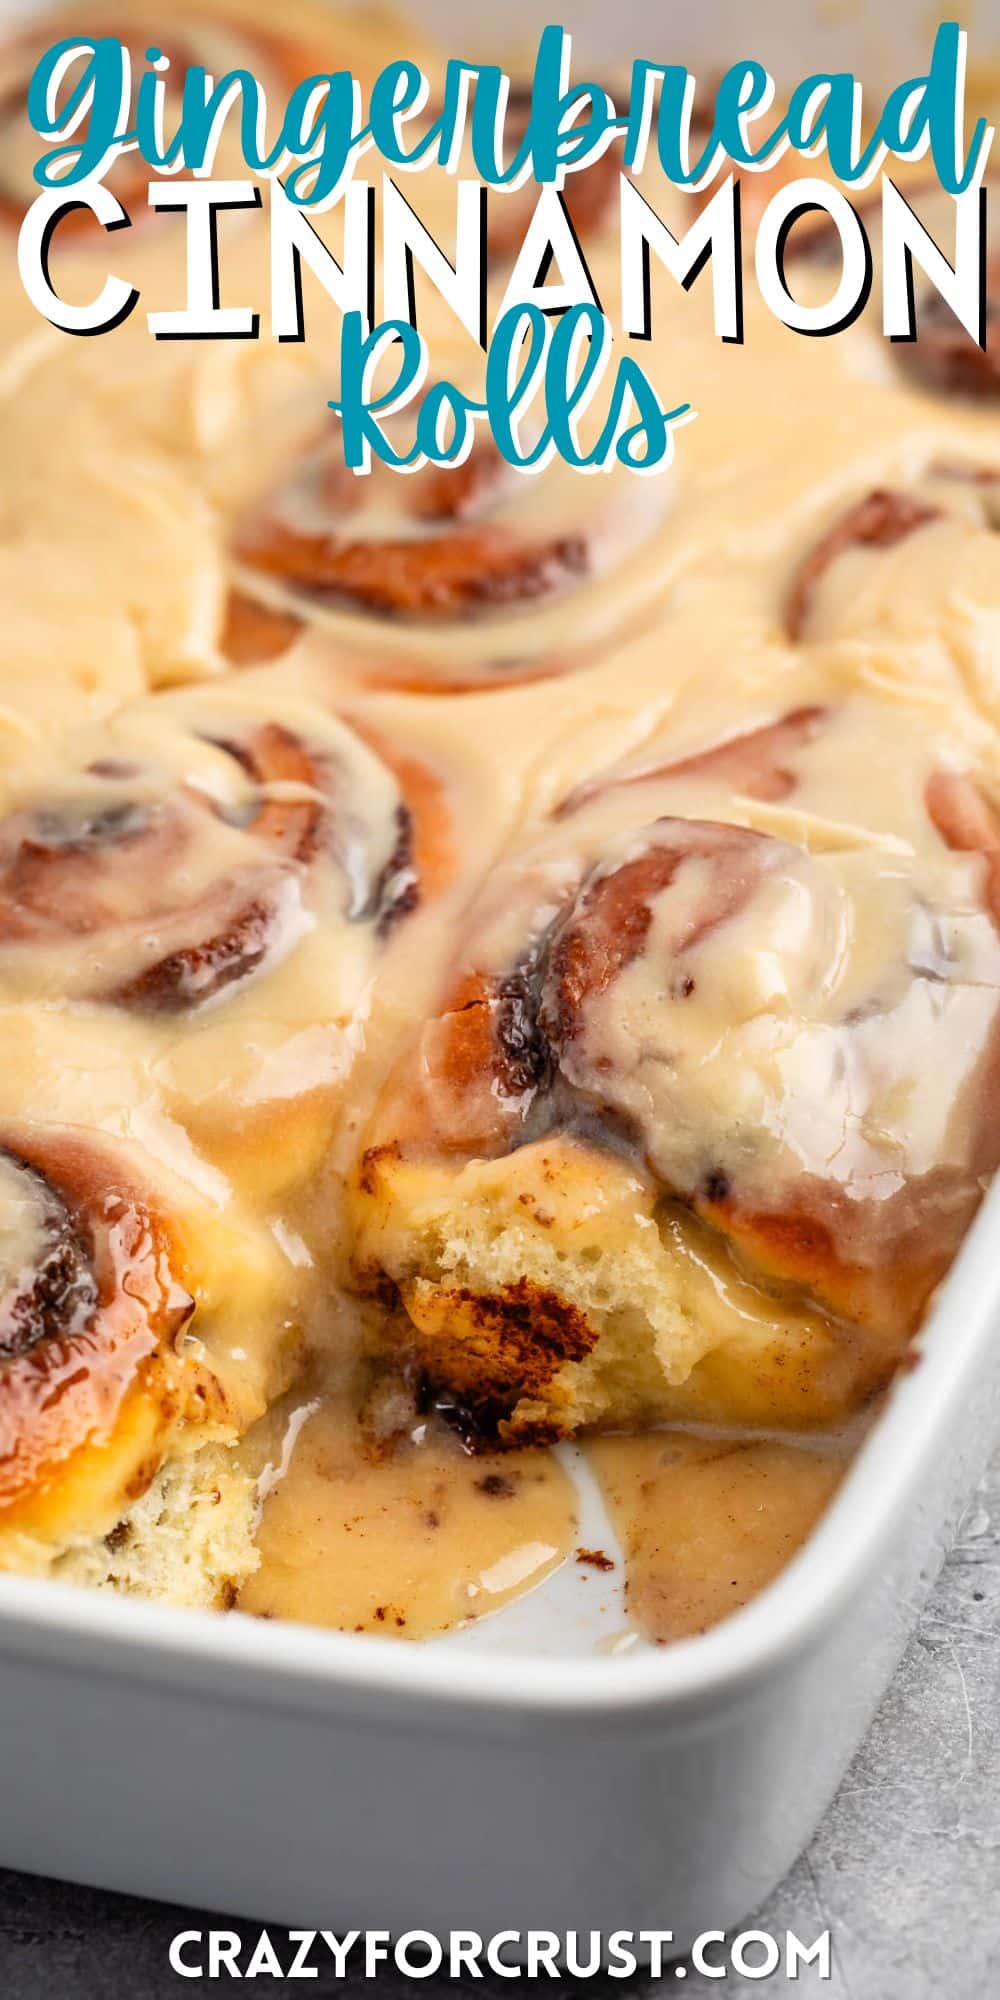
(104, 867)
(332, 536)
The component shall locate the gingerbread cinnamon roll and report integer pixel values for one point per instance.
(709, 1106)
(143, 1328)
(166, 880)
(452, 578)
(217, 897)
(449, 560)
(93, 1381)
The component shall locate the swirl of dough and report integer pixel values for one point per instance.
(705, 991)
(759, 762)
(488, 1053)
(161, 882)
(451, 579)
(430, 547)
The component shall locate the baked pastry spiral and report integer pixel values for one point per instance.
(462, 560)
(170, 899)
(95, 1301)
(715, 1088)
(213, 898)
(164, 880)
(448, 560)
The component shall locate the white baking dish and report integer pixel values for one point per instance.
(305, 1777)
(499, 1780)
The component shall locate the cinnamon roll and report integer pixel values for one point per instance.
(452, 578)
(620, 1052)
(143, 1329)
(96, 1383)
(216, 897)
(449, 559)
(708, 1107)
(164, 878)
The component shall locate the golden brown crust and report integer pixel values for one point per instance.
(105, 1341)
(254, 632)
(808, 1243)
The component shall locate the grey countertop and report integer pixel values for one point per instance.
(905, 1869)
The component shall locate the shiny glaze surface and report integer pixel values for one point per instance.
(291, 777)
